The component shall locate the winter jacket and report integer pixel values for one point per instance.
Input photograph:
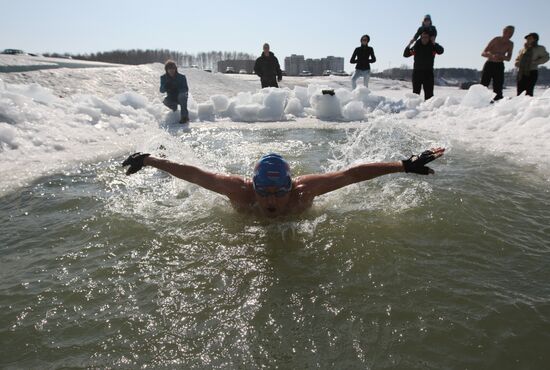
(540, 56)
(268, 67)
(363, 56)
(424, 55)
(173, 86)
(432, 31)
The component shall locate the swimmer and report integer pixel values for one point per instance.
(272, 191)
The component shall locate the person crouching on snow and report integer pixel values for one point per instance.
(174, 84)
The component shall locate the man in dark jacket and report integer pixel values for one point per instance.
(268, 69)
(175, 85)
(362, 56)
(424, 51)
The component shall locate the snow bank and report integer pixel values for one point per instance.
(65, 117)
(283, 104)
(517, 128)
(41, 132)
(478, 96)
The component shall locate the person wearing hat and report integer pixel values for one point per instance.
(268, 69)
(272, 191)
(424, 51)
(529, 58)
(362, 57)
(426, 26)
(174, 84)
(497, 52)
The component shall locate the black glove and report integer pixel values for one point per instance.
(135, 161)
(279, 78)
(416, 163)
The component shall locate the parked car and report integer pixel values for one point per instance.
(283, 73)
(327, 72)
(207, 70)
(305, 74)
(243, 72)
(195, 66)
(230, 70)
(13, 52)
(340, 73)
(466, 85)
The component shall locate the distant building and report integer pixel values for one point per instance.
(237, 65)
(295, 64)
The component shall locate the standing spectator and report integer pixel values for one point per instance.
(362, 57)
(497, 51)
(268, 69)
(175, 85)
(426, 26)
(528, 60)
(424, 51)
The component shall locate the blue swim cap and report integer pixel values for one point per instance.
(272, 170)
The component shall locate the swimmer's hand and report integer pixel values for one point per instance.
(135, 161)
(416, 163)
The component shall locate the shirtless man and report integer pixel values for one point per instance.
(272, 191)
(499, 50)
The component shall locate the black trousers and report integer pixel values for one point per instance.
(269, 82)
(527, 83)
(494, 71)
(423, 78)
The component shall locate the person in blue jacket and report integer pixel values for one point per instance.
(174, 84)
(362, 57)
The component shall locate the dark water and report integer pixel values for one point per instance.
(408, 272)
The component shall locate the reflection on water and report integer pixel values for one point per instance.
(104, 270)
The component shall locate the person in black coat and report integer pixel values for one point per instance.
(362, 57)
(424, 51)
(268, 69)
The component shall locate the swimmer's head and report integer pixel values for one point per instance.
(272, 176)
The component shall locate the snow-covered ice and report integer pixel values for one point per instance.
(54, 119)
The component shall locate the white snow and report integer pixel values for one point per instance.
(54, 119)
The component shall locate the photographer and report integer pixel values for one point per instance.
(175, 85)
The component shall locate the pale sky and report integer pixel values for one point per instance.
(312, 28)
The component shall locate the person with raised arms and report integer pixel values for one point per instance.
(424, 52)
(272, 191)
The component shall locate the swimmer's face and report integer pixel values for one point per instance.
(273, 201)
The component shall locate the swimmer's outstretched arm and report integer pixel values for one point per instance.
(319, 184)
(229, 185)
